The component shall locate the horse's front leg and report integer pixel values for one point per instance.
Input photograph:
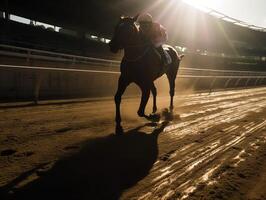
(122, 85)
(154, 94)
(144, 100)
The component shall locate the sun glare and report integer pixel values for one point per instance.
(200, 3)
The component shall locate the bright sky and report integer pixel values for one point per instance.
(250, 11)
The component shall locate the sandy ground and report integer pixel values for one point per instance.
(214, 148)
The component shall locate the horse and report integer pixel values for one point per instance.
(141, 65)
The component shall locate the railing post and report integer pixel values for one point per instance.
(196, 81)
(262, 81)
(237, 82)
(28, 56)
(246, 84)
(256, 82)
(73, 61)
(38, 81)
(110, 66)
(227, 83)
(212, 84)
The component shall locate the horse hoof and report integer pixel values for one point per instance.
(119, 130)
(168, 114)
(154, 117)
(141, 114)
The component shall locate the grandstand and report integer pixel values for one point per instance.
(205, 27)
(211, 40)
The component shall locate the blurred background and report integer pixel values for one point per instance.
(224, 43)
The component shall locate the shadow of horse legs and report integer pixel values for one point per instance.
(102, 169)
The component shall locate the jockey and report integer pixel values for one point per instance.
(153, 32)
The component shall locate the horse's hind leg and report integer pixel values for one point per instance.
(144, 100)
(171, 78)
(154, 94)
(122, 85)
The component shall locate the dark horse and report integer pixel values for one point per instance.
(141, 64)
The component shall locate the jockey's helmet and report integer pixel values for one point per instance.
(145, 18)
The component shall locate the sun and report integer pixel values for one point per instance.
(201, 3)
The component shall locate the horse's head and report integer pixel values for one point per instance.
(124, 33)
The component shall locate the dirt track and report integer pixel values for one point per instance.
(215, 148)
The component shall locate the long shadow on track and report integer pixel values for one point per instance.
(102, 169)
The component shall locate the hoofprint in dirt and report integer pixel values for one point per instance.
(213, 149)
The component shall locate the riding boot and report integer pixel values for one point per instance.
(163, 56)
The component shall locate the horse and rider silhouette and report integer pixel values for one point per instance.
(141, 64)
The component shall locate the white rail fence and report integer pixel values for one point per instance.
(194, 73)
(29, 54)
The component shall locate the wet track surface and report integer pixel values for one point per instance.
(214, 148)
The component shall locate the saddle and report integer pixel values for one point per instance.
(167, 55)
(164, 54)
(167, 59)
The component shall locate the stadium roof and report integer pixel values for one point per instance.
(186, 25)
(225, 17)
